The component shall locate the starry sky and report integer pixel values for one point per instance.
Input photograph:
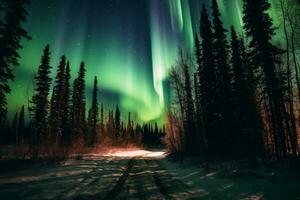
(129, 45)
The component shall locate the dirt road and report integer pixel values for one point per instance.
(96, 177)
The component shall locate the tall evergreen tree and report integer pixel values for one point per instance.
(11, 33)
(197, 90)
(222, 70)
(259, 28)
(14, 129)
(207, 77)
(66, 107)
(21, 126)
(40, 98)
(57, 101)
(248, 134)
(102, 121)
(189, 117)
(78, 103)
(118, 121)
(94, 114)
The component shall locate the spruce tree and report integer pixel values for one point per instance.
(248, 134)
(66, 107)
(14, 129)
(265, 56)
(78, 103)
(21, 126)
(11, 34)
(207, 77)
(222, 70)
(57, 101)
(118, 122)
(94, 113)
(197, 91)
(102, 121)
(189, 117)
(40, 98)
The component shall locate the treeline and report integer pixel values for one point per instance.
(237, 97)
(58, 116)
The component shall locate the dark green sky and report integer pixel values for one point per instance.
(129, 44)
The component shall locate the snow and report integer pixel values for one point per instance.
(225, 181)
(146, 174)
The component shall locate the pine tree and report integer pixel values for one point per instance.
(264, 55)
(197, 91)
(66, 118)
(222, 70)
(14, 129)
(21, 126)
(118, 122)
(189, 117)
(11, 33)
(94, 114)
(40, 98)
(102, 121)
(207, 77)
(248, 134)
(78, 103)
(57, 101)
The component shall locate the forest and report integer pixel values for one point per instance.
(238, 95)
(233, 115)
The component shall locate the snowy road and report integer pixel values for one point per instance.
(140, 174)
(119, 175)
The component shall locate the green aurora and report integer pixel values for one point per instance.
(129, 45)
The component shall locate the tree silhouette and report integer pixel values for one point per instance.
(117, 122)
(57, 101)
(40, 98)
(66, 107)
(21, 127)
(11, 33)
(78, 103)
(208, 86)
(259, 28)
(93, 115)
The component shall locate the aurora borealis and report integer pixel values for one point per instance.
(129, 45)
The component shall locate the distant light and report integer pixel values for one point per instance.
(136, 153)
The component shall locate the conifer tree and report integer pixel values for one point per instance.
(265, 56)
(248, 134)
(189, 117)
(57, 101)
(102, 121)
(118, 121)
(94, 114)
(67, 103)
(21, 126)
(40, 98)
(78, 103)
(197, 91)
(11, 33)
(207, 77)
(14, 129)
(222, 70)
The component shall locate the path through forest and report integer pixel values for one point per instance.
(136, 174)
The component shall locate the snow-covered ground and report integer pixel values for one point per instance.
(143, 174)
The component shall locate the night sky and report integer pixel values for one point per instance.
(128, 44)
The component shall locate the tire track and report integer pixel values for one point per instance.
(120, 183)
(169, 186)
(87, 180)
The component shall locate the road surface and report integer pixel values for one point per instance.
(121, 175)
(139, 174)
